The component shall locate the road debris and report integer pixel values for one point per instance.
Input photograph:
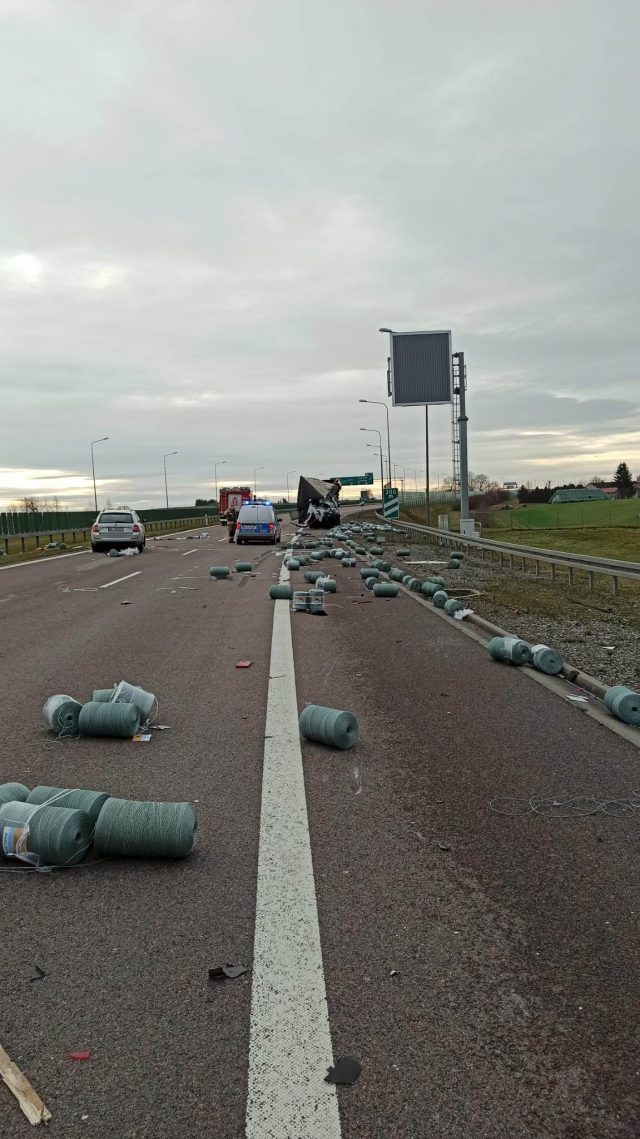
(30, 1103)
(227, 972)
(37, 973)
(86, 1055)
(244, 664)
(345, 1071)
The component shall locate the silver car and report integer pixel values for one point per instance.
(115, 529)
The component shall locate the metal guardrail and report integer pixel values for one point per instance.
(606, 567)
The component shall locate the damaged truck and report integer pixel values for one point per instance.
(317, 503)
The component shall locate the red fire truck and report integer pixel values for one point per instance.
(232, 496)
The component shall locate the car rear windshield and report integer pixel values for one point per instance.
(115, 516)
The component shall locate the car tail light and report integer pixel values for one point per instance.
(136, 528)
(271, 526)
(95, 529)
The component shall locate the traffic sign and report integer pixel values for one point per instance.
(390, 502)
(355, 480)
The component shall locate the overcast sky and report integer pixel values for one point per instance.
(207, 209)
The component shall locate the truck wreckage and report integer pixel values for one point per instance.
(318, 503)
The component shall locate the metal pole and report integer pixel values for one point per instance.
(462, 427)
(426, 451)
(93, 471)
(220, 463)
(388, 442)
(166, 490)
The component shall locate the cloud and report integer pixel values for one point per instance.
(210, 209)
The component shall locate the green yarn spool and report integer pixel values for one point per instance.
(13, 792)
(509, 649)
(282, 592)
(120, 721)
(313, 575)
(429, 588)
(102, 695)
(437, 580)
(547, 660)
(369, 571)
(91, 802)
(293, 563)
(327, 584)
(59, 836)
(403, 552)
(219, 571)
(244, 567)
(385, 589)
(453, 605)
(146, 830)
(329, 726)
(61, 715)
(360, 550)
(376, 550)
(369, 582)
(623, 703)
(440, 599)
(415, 585)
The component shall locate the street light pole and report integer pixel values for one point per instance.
(462, 433)
(164, 461)
(379, 451)
(288, 492)
(255, 481)
(375, 431)
(220, 463)
(93, 470)
(379, 404)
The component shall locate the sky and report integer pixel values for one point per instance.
(208, 209)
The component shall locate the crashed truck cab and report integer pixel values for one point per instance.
(317, 503)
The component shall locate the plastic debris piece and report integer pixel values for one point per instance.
(160, 727)
(80, 1055)
(141, 739)
(442, 845)
(37, 973)
(221, 972)
(244, 664)
(345, 1071)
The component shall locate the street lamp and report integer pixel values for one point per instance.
(403, 475)
(220, 463)
(379, 404)
(375, 431)
(415, 477)
(255, 483)
(164, 461)
(93, 469)
(289, 473)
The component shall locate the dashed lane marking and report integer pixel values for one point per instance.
(108, 584)
(290, 1040)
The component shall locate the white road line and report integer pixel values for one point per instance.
(187, 552)
(46, 558)
(290, 1042)
(223, 539)
(117, 581)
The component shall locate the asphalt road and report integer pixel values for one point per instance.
(482, 967)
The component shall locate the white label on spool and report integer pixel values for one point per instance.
(12, 839)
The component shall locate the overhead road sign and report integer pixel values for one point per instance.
(355, 480)
(420, 368)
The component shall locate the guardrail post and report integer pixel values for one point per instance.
(590, 578)
(537, 569)
(616, 586)
(570, 575)
(6, 546)
(22, 543)
(553, 571)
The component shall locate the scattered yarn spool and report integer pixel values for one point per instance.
(376, 550)
(152, 830)
(327, 584)
(13, 792)
(369, 582)
(453, 563)
(396, 574)
(547, 660)
(369, 571)
(453, 605)
(384, 567)
(437, 580)
(360, 550)
(281, 592)
(293, 563)
(313, 575)
(510, 649)
(329, 726)
(457, 555)
(429, 588)
(244, 567)
(347, 562)
(416, 585)
(113, 553)
(302, 560)
(91, 802)
(440, 598)
(385, 589)
(623, 703)
(377, 563)
(58, 836)
(406, 578)
(403, 552)
(126, 693)
(219, 571)
(103, 695)
(120, 721)
(61, 714)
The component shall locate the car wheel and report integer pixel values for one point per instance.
(96, 549)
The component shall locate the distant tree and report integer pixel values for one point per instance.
(206, 502)
(478, 481)
(528, 494)
(596, 481)
(29, 505)
(625, 487)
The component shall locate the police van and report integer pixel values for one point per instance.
(257, 522)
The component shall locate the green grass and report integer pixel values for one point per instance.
(570, 515)
(609, 542)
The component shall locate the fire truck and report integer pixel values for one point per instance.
(232, 496)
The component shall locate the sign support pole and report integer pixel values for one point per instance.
(462, 424)
(426, 451)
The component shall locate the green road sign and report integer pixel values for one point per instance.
(390, 502)
(355, 480)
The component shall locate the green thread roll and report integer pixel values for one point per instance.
(547, 660)
(59, 836)
(282, 592)
(369, 571)
(219, 571)
(440, 599)
(623, 703)
(385, 589)
(91, 802)
(103, 695)
(61, 714)
(327, 584)
(120, 721)
(13, 792)
(453, 605)
(329, 726)
(244, 567)
(510, 649)
(146, 830)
